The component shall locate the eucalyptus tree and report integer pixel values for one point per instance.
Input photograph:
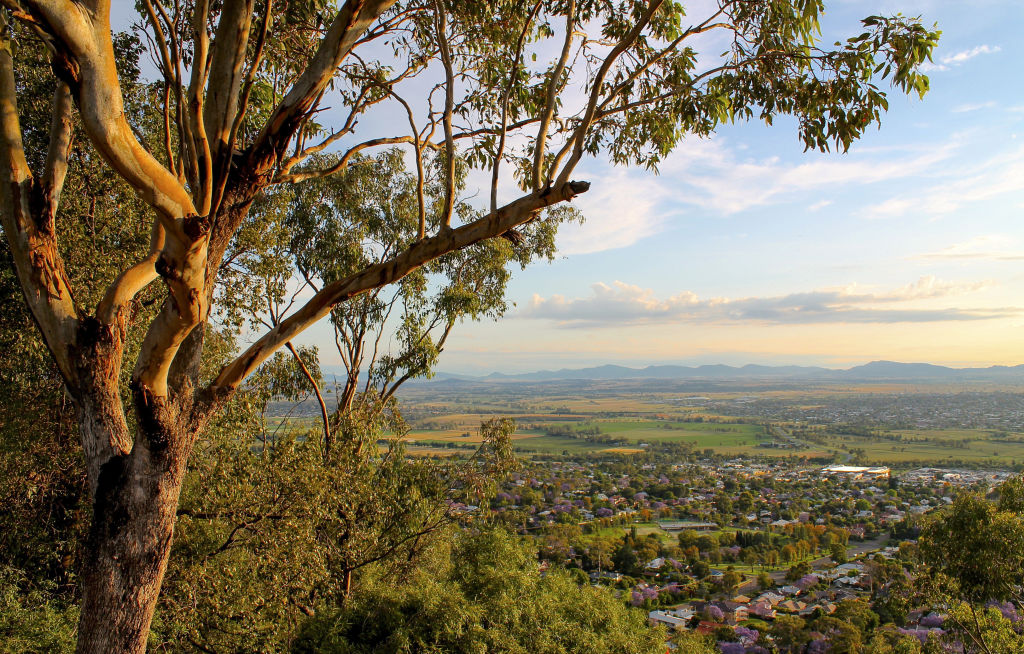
(252, 91)
(305, 237)
(482, 592)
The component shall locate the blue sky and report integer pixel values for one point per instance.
(747, 249)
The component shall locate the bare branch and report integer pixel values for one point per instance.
(417, 145)
(576, 142)
(56, 166)
(130, 282)
(227, 57)
(195, 114)
(517, 55)
(553, 87)
(168, 72)
(441, 25)
(250, 76)
(348, 26)
(343, 162)
(319, 396)
(381, 274)
(37, 261)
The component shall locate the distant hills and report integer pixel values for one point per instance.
(874, 371)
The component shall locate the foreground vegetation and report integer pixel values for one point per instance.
(150, 222)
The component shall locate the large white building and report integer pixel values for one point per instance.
(857, 472)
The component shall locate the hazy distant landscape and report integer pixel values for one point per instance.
(876, 370)
(880, 413)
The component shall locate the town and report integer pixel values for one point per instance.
(749, 553)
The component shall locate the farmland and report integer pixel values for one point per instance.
(584, 433)
(888, 424)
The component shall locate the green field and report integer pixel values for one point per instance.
(937, 445)
(642, 529)
(608, 417)
(700, 434)
(533, 437)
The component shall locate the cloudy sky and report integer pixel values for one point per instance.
(745, 249)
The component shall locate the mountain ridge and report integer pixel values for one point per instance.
(881, 370)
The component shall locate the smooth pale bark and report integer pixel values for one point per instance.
(135, 474)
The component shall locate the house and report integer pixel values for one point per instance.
(735, 613)
(761, 609)
(828, 608)
(792, 606)
(668, 619)
(771, 598)
(848, 569)
(706, 628)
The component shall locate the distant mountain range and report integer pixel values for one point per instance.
(874, 371)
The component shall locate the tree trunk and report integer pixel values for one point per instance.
(135, 499)
(127, 553)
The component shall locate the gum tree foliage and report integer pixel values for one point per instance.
(327, 228)
(266, 542)
(482, 592)
(973, 565)
(251, 92)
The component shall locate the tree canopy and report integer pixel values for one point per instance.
(130, 205)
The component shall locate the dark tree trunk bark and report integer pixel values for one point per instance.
(127, 551)
(135, 486)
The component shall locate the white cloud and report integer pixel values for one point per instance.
(622, 304)
(723, 182)
(990, 247)
(957, 58)
(965, 55)
(964, 108)
(958, 187)
(625, 206)
(620, 210)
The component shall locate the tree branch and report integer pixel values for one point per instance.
(130, 282)
(576, 142)
(348, 26)
(227, 57)
(56, 166)
(441, 25)
(37, 261)
(196, 116)
(381, 274)
(553, 87)
(517, 55)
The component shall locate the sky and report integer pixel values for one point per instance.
(746, 249)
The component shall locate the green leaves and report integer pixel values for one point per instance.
(979, 548)
(481, 592)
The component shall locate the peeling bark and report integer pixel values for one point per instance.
(135, 474)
